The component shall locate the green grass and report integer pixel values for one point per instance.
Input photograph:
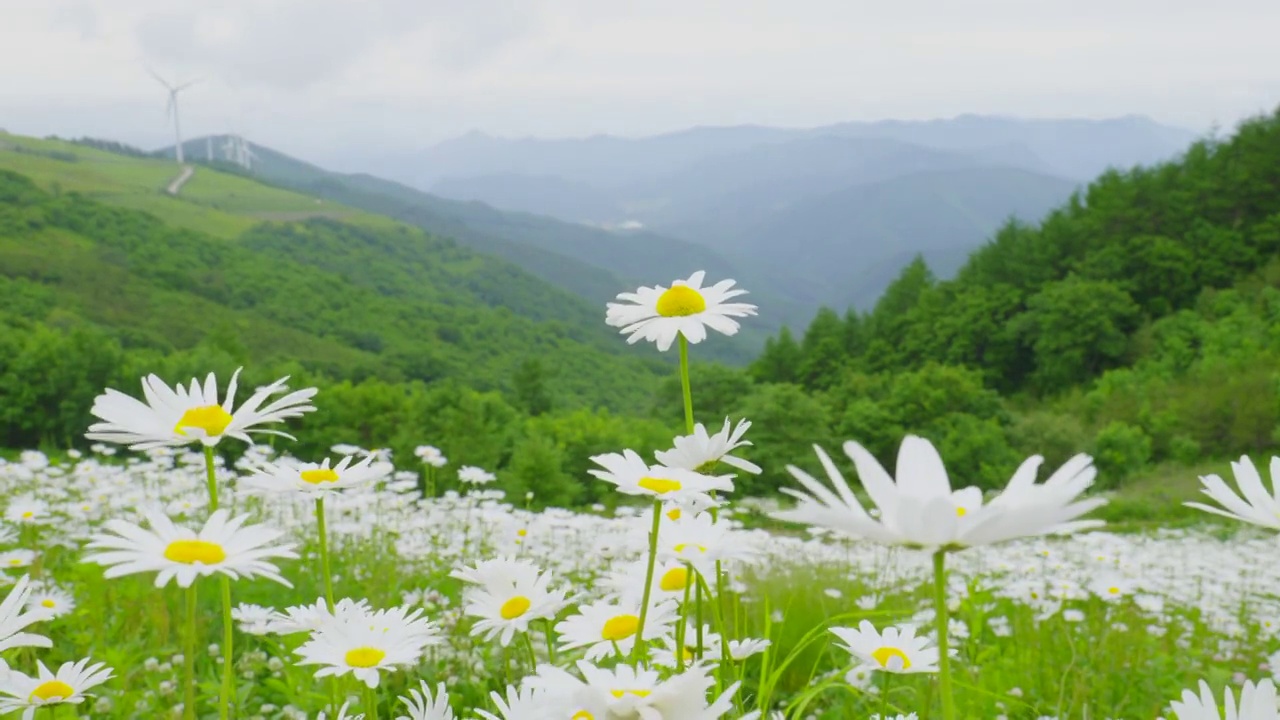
(215, 202)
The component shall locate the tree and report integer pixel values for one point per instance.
(786, 422)
(530, 383)
(1078, 328)
(780, 360)
(537, 466)
(822, 351)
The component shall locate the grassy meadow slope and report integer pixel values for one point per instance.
(90, 235)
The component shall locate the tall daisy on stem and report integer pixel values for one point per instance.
(682, 311)
(921, 511)
(183, 415)
(225, 546)
(318, 481)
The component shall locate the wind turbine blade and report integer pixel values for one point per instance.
(187, 84)
(159, 79)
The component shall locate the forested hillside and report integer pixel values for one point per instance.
(94, 295)
(1141, 321)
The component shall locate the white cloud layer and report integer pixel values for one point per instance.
(332, 79)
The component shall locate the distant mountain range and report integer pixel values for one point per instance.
(810, 212)
(803, 217)
(591, 262)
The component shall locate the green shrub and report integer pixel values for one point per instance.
(1119, 450)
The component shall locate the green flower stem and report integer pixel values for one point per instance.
(648, 579)
(717, 616)
(684, 385)
(370, 703)
(725, 658)
(533, 656)
(211, 479)
(323, 530)
(697, 619)
(551, 643)
(189, 657)
(944, 658)
(683, 628)
(228, 666)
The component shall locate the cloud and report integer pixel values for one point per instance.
(328, 77)
(294, 44)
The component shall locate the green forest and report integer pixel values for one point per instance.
(1139, 322)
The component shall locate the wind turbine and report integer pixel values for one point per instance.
(172, 107)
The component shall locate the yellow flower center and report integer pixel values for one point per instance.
(212, 419)
(583, 715)
(48, 603)
(195, 551)
(52, 691)
(319, 475)
(620, 627)
(680, 301)
(674, 579)
(15, 562)
(1113, 590)
(680, 547)
(674, 513)
(364, 657)
(961, 512)
(514, 608)
(522, 532)
(637, 693)
(660, 486)
(884, 654)
(28, 515)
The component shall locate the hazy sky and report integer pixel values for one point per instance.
(332, 79)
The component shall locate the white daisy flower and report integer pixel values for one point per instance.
(659, 314)
(1257, 702)
(27, 511)
(670, 578)
(710, 648)
(633, 476)
(519, 704)
(68, 685)
(701, 541)
(701, 452)
(366, 643)
(309, 618)
(182, 415)
(921, 510)
(897, 650)
(423, 705)
(253, 619)
(431, 455)
(16, 614)
(742, 649)
(316, 480)
(224, 545)
(475, 476)
(607, 627)
(11, 559)
(627, 693)
(1254, 504)
(507, 604)
(1112, 588)
(50, 599)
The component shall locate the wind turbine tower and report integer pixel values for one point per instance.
(172, 108)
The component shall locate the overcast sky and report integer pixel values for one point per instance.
(333, 79)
